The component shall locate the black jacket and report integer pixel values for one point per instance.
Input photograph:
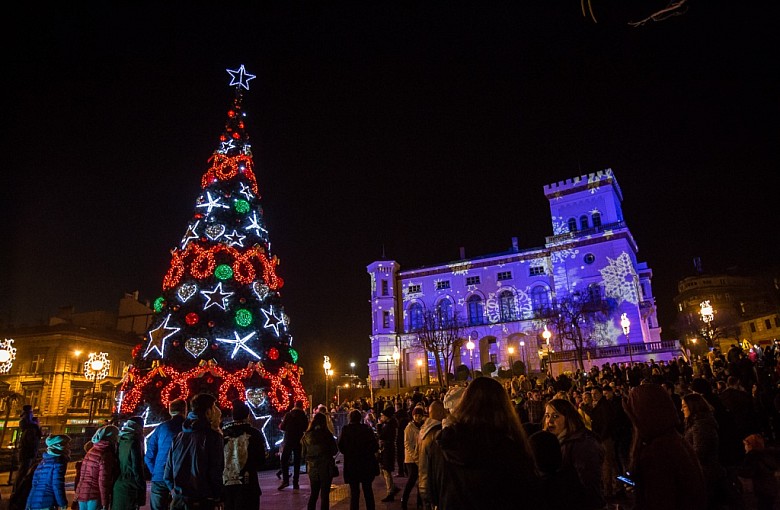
(256, 449)
(196, 461)
(294, 425)
(359, 445)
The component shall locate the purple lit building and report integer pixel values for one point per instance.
(591, 250)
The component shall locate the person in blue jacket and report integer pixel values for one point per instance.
(193, 472)
(157, 448)
(48, 485)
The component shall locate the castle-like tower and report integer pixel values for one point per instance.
(498, 295)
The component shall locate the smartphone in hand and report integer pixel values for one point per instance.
(626, 480)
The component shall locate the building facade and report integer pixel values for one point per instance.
(499, 297)
(50, 369)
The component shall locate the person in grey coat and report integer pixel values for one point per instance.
(319, 449)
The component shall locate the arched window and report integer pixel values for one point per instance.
(476, 310)
(583, 222)
(540, 298)
(506, 305)
(415, 317)
(444, 312)
(596, 218)
(572, 224)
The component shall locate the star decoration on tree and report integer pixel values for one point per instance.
(239, 343)
(235, 239)
(246, 191)
(271, 320)
(254, 224)
(212, 203)
(216, 297)
(159, 335)
(192, 233)
(240, 77)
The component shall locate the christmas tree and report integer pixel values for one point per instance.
(219, 326)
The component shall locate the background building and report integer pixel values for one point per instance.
(505, 301)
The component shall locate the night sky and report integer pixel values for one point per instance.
(412, 128)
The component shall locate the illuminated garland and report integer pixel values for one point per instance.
(278, 394)
(202, 263)
(224, 168)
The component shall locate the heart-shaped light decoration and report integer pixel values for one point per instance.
(196, 346)
(215, 231)
(255, 397)
(261, 290)
(186, 291)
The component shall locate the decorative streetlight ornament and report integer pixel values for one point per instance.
(707, 312)
(625, 323)
(546, 334)
(97, 366)
(7, 355)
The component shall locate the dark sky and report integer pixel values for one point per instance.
(413, 127)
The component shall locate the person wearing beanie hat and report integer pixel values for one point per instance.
(193, 472)
(158, 445)
(98, 470)
(48, 483)
(130, 487)
(386, 432)
(411, 457)
(429, 432)
(244, 456)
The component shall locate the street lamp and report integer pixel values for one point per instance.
(7, 358)
(511, 351)
(707, 315)
(522, 346)
(96, 369)
(626, 324)
(352, 367)
(397, 361)
(547, 334)
(419, 366)
(470, 346)
(326, 367)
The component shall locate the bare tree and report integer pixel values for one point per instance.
(576, 320)
(672, 8)
(441, 336)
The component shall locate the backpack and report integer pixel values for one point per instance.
(236, 455)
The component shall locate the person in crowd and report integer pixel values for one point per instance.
(48, 483)
(370, 419)
(482, 458)
(701, 431)
(29, 439)
(603, 424)
(730, 448)
(402, 416)
(411, 436)
(585, 409)
(244, 457)
(319, 449)
(663, 464)
(386, 431)
(534, 406)
(193, 472)
(429, 432)
(130, 486)
(294, 426)
(324, 410)
(98, 471)
(739, 404)
(359, 446)
(759, 466)
(158, 445)
(621, 430)
(561, 485)
(580, 449)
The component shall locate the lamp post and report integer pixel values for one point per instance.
(470, 346)
(510, 350)
(96, 369)
(397, 361)
(626, 324)
(326, 367)
(522, 346)
(547, 334)
(419, 366)
(352, 367)
(707, 315)
(7, 358)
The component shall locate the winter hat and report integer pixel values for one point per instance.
(418, 410)
(107, 432)
(755, 441)
(131, 428)
(388, 412)
(202, 403)
(26, 408)
(240, 410)
(57, 445)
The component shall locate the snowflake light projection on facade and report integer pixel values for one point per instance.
(605, 333)
(620, 279)
(523, 302)
(560, 254)
(460, 268)
(492, 308)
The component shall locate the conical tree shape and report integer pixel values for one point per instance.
(219, 326)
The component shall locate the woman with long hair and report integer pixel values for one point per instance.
(580, 448)
(319, 449)
(358, 444)
(482, 458)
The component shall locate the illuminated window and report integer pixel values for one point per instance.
(540, 298)
(472, 280)
(415, 317)
(583, 222)
(596, 218)
(535, 270)
(504, 275)
(443, 284)
(572, 223)
(385, 288)
(444, 311)
(506, 304)
(476, 310)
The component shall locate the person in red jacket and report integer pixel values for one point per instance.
(99, 470)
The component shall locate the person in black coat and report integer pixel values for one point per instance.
(29, 440)
(242, 488)
(294, 426)
(387, 430)
(359, 446)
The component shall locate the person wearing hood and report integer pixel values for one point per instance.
(48, 484)
(157, 447)
(663, 465)
(429, 432)
(99, 470)
(29, 439)
(193, 472)
(482, 458)
(242, 442)
(130, 486)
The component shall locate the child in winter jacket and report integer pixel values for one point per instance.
(98, 470)
(48, 484)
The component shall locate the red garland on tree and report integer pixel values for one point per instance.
(221, 291)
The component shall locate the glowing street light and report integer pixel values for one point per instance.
(626, 324)
(397, 361)
(707, 315)
(326, 366)
(547, 334)
(470, 346)
(511, 351)
(96, 369)
(522, 346)
(7, 355)
(419, 366)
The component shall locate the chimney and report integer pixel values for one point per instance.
(515, 248)
(462, 253)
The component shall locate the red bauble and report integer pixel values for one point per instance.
(273, 353)
(242, 300)
(210, 380)
(211, 324)
(231, 113)
(136, 350)
(222, 138)
(176, 343)
(191, 318)
(198, 216)
(159, 384)
(214, 347)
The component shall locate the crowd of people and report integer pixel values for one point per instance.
(668, 435)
